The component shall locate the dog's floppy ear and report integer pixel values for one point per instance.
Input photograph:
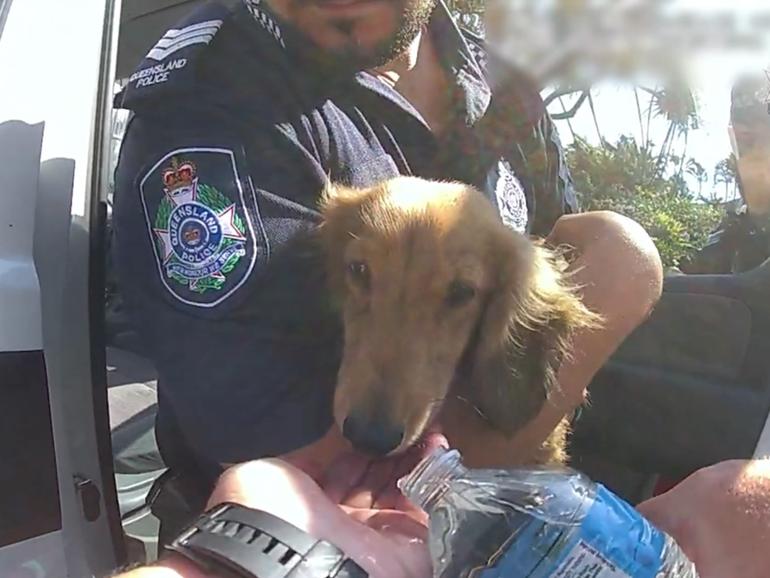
(524, 333)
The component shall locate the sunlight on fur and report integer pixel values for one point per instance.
(446, 312)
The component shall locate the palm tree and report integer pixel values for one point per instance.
(642, 138)
(676, 104)
(596, 120)
(696, 170)
(726, 172)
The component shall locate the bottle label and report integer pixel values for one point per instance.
(583, 561)
(613, 541)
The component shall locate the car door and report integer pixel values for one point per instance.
(58, 511)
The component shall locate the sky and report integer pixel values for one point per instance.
(53, 80)
(712, 74)
(24, 58)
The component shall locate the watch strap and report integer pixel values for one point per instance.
(235, 540)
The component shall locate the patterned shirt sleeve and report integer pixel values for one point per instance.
(520, 121)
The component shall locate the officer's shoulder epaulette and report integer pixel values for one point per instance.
(471, 36)
(477, 46)
(170, 64)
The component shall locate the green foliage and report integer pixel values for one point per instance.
(164, 213)
(624, 178)
(679, 225)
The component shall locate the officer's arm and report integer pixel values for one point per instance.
(234, 317)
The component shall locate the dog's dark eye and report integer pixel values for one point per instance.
(459, 294)
(359, 273)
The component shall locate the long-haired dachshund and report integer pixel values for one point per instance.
(446, 312)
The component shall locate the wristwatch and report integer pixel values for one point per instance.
(231, 540)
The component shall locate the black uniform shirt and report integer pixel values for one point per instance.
(232, 137)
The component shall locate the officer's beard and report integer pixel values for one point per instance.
(354, 57)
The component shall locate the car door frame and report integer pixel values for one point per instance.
(65, 113)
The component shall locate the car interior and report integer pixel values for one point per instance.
(688, 388)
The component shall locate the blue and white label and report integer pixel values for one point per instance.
(613, 541)
(584, 561)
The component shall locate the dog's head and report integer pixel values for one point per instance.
(432, 285)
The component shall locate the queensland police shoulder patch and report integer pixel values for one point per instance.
(507, 190)
(201, 223)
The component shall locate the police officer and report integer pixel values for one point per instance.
(240, 115)
(742, 240)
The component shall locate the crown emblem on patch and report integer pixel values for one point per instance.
(179, 175)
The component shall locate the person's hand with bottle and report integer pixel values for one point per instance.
(720, 516)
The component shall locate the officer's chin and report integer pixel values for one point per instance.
(365, 33)
(350, 9)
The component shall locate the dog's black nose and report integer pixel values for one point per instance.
(372, 436)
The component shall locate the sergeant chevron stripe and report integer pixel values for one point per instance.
(176, 39)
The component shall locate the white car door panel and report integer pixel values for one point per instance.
(20, 146)
(58, 510)
(30, 514)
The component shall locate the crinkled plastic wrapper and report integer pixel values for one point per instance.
(545, 523)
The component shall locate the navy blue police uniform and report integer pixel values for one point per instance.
(233, 133)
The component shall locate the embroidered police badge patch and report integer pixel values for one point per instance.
(509, 194)
(201, 226)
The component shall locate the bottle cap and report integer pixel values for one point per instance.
(428, 481)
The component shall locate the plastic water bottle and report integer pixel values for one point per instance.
(536, 522)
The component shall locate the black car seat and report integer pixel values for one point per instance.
(689, 388)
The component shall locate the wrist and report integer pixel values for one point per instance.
(172, 565)
(180, 567)
(234, 540)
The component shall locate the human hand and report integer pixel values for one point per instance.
(720, 516)
(354, 504)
